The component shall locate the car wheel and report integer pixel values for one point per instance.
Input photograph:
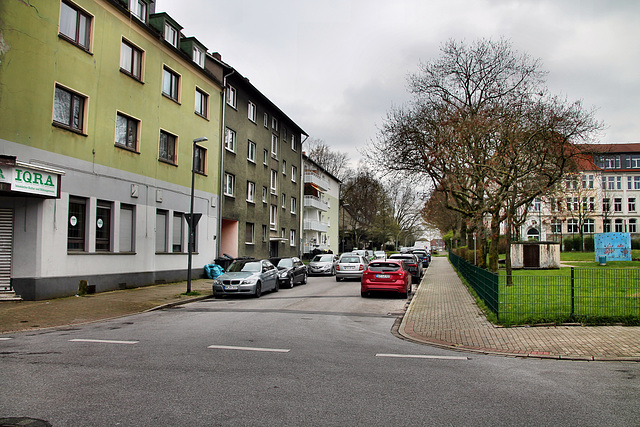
(277, 287)
(338, 279)
(333, 271)
(304, 279)
(258, 290)
(290, 279)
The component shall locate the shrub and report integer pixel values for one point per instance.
(589, 244)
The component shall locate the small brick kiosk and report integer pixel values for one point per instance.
(542, 255)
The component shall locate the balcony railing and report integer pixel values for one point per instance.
(314, 225)
(316, 179)
(315, 202)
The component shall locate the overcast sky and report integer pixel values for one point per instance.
(337, 66)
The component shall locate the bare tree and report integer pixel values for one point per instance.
(334, 162)
(483, 128)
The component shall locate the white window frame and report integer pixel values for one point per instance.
(232, 96)
(251, 151)
(266, 120)
(171, 34)
(274, 146)
(252, 111)
(294, 205)
(138, 8)
(170, 87)
(229, 184)
(76, 25)
(230, 140)
(251, 192)
(274, 181)
(249, 237)
(294, 173)
(201, 107)
(131, 60)
(265, 194)
(273, 217)
(292, 237)
(198, 56)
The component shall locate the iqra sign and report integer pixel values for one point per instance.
(25, 179)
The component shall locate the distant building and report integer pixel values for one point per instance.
(101, 102)
(321, 209)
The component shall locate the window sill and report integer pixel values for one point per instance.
(74, 43)
(124, 147)
(128, 74)
(167, 162)
(201, 116)
(70, 129)
(170, 98)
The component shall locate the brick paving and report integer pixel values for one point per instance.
(443, 313)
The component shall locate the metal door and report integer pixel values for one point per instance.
(531, 255)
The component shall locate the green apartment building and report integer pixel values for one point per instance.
(100, 104)
(262, 175)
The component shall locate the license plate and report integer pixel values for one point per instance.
(349, 267)
(231, 288)
(383, 276)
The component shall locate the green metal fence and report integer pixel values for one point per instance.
(586, 295)
(482, 281)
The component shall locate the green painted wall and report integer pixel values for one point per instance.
(33, 58)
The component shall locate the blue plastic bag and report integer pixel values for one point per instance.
(213, 270)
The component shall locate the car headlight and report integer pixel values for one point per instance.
(284, 274)
(248, 281)
(217, 283)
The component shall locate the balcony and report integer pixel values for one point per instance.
(315, 179)
(314, 225)
(316, 203)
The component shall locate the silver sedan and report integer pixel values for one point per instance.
(247, 277)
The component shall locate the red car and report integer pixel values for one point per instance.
(388, 276)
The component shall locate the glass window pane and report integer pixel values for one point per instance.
(68, 21)
(161, 234)
(62, 106)
(126, 229)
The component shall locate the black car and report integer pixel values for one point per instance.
(423, 256)
(415, 266)
(290, 271)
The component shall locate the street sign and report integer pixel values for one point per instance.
(196, 219)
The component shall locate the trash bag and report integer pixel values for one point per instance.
(213, 270)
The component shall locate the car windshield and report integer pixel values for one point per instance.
(285, 263)
(323, 258)
(398, 256)
(250, 266)
(384, 266)
(350, 260)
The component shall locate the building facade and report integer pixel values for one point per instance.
(603, 196)
(262, 175)
(321, 205)
(101, 106)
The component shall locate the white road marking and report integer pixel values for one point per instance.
(104, 341)
(422, 356)
(232, 347)
(5, 339)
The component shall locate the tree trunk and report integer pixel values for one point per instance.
(507, 261)
(495, 238)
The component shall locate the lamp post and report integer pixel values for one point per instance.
(191, 223)
(344, 205)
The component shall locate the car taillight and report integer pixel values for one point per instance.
(338, 267)
(413, 265)
(361, 267)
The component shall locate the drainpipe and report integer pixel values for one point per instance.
(301, 205)
(222, 153)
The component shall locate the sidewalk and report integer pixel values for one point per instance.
(443, 313)
(31, 315)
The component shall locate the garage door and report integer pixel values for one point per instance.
(6, 246)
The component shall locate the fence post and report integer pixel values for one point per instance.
(573, 292)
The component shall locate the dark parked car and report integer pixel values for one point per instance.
(388, 276)
(247, 277)
(290, 271)
(423, 256)
(415, 266)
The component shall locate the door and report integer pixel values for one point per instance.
(531, 256)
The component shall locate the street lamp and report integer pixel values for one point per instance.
(344, 205)
(191, 221)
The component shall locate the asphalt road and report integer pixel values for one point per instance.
(318, 354)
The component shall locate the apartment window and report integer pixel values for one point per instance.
(294, 173)
(251, 111)
(606, 205)
(264, 194)
(138, 9)
(619, 226)
(265, 156)
(202, 103)
(284, 201)
(636, 182)
(232, 96)
(632, 226)
(606, 226)
(167, 151)
(76, 224)
(283, 233)
(587, 181)
(629, 183)
(251, 192)
(75, 25)
(249, 231)
(294, 205)
(592, 204)
(198, 56)
(199, 159)
(161, 231)
(556, 227)
(292, 238)
(126, 132)
(589, 226)
(274, 124)
(266, 120)
(171, 35)
(617, 204)
(573, 204)
(131, 60)
(284, 167)
(170, 83)
(178, 232)
(229, 184)
(251, 151)
(631, 204)
(274, 181)
(68, 109)
(572, 226)
(265, 233)
(294, 145)
(103, 226)
(127, 229)
(274, 146)
(230, 140)
(273, 217)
